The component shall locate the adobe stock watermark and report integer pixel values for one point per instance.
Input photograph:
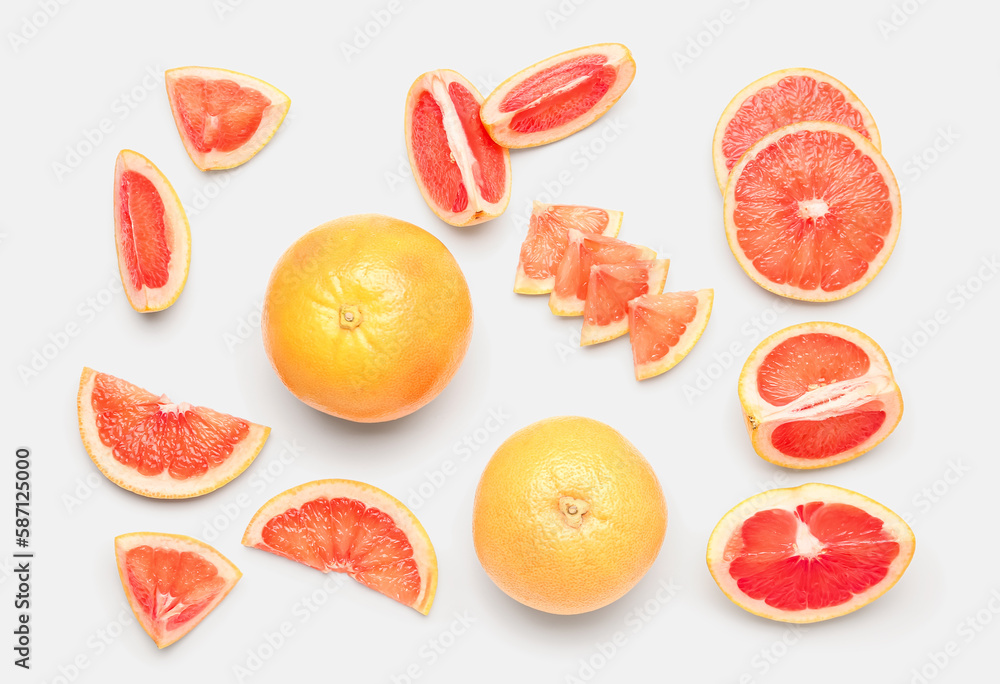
(921, 162)
(930, 495)
(770, 655)
(209, 191)
(223, 8)
(709, 32)
(967, 631)
(32, 24)
(432, 650)
(560, 13)
(95, 645)
(364, 33)
(247, 326)
(899, 14)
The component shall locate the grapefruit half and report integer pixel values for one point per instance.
(663, 328)
(355, 528)
(569, 292)
(808, 553)
(610, 288)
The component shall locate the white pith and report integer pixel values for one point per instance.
(461, 151)
(813, 208)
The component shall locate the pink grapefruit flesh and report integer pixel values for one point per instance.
(609, 290)
(663, 328)
(569, 292)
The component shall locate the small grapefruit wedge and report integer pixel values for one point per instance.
(152, 235)
(610, 288)
(818, 394)
(462, 174)
(785, 97)
(355, 528)
(663, 328)
(558, 96)
(808, 553)
(812, 211)
(172, 582)
(155, 447)
(224, 117)
(548, 236)
(569, 292)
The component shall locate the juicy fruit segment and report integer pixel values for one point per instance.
(161, 449)
(818, 394)
(809, 553)
(569, 292)
(663, 328)
(354, 528)
(812, 211)
(609, 290)
(223, 117)
(172, 582)
(152, 236)
(785, 97)
(548, 237)
(558, 96)
(462, 174)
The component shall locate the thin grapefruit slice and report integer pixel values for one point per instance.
(224, 117)
(808, 553)
(354, 528)
(569, 292)
(558, 96)
(785, 97)
(610, 288)
(818, 394)
(548, 237)
(152, 234)
(663, 328)
(812, 211)
(172, 582)
(462, 174)
(161, 449)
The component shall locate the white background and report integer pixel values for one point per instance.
(929, 78)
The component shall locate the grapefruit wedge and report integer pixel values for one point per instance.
(172, 582)
(569, 292)
(663, 328)
(462, 174)
(224, 117)
(808, 553)
(351, 527)
(785, 97)
(558, 96)
(548, 237)
(812, 211)
(152, 235)
(610, 288)
(152, 446)
(818, 394)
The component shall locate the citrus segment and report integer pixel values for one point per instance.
(609, 290)
(569, 292)
(663, 328)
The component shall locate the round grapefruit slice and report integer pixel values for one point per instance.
(812, 211)
(152, 234)
(664, 327)
(548, 237)
(569, 293)
(172, 582)
(155, 447)
(558, 96)
(808, 553)
(785, 97)
(462, 174)
(610, 288)
(224, 117)
(818, 394)
(354, 528)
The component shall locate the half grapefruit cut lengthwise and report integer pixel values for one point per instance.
(818, 394)
(172, 582)
(462, 174)
(663, 328)
(808, 553)
(152, 235)
(558, 96)
(355, 528)
(569, 293)
(610, 288)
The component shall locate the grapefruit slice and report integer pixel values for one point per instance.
(584, 250)
(355, 528)
(808, 553)
(152, 234)
(812, 211)
(548, 236)
(172, 582)
(224, 117)
(558, 96)
(462, 174)
(155, 447)
(818, 394)
(785, 97)
(610, 288)
(664, 327)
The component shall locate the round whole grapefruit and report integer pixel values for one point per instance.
(367, 318)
